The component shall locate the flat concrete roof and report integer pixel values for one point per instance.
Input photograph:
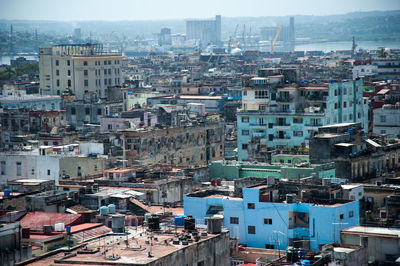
(373, 231)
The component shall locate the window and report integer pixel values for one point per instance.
(269, 246)
(19, 169)
(261, 122)
(245, 119)
(244, 93)
(98, 111)
(267, 221)
(109, 71)
(341, 216)
(57, 62)
(251, 229)
(86, 82)
(105, 71)
(68, 62)
(105, 62)
(336, 105)
(57, 72)
(245, 132)
(3, 168)
(73, 111)
(109, 127)
(244, 146)
(251, 206)
(58, 83)
(33, 171)
(261, 94)
(69, 83)
(87, 111)
(85, 72)
(335, 92)
(85, 63)
(105, 81)
(234, 220)
(48, 172)
(359, 115)
(298, 120)
(350, 116)
(298, 133)
(69, 72)
(79, 171)
(351, 213)
(344, 104)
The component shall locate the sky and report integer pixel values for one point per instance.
(114, 10)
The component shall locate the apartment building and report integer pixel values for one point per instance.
(274, 115)
(181, 145)
(259, 219)
(80, 68)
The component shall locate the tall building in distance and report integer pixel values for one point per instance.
(82, 69)
(77, 33)
(164, 37)
(206, 31)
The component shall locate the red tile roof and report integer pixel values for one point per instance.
(36, 220)
(83, 227)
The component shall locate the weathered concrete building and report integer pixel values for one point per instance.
(383, 243)
(11, 249)
(156, 247)
(184, 145)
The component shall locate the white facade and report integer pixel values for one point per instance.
(16, 166)
(353, 192)
(54, 167)
(387, 120)
(81, 68)
(364, 70)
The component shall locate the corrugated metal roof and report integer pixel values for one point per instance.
(36, 220)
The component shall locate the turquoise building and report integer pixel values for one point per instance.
(285, 117)
(275, 225)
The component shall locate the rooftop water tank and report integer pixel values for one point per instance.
(179, 220)
(59, 227)
(118, 223)
(189, 223)
(154, 223)
(214, 225)
(103, 210)
(111, 208)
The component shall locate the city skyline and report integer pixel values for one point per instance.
(177, 9)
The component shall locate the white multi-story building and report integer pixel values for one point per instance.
(387, 120)
(53, 163)
(81, 68)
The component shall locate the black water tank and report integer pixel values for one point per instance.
(189, 223)
(154, 223)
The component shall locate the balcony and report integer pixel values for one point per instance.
(285, 99)
(285, 126)
(317, 98)
(312, 126)
(256, 125)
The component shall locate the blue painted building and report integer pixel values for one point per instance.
(259, 221)
(274, 115)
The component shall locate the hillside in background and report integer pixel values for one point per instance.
(371, 26)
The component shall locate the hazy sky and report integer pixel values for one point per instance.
(180, 9)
